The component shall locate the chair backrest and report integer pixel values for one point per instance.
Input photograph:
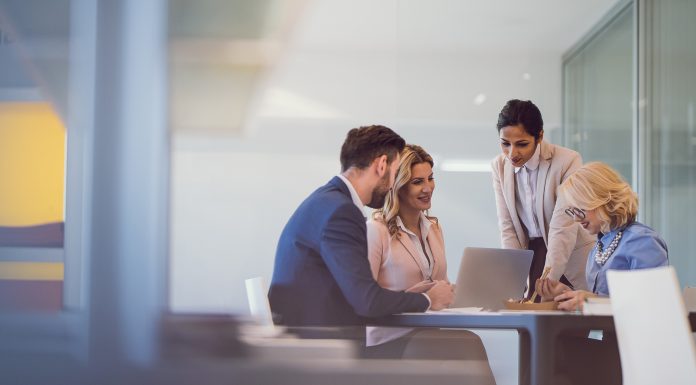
(258, 301)
(652, 328)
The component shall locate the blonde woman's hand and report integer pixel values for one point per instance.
(572, 300)
(441, 295)
(421, 287)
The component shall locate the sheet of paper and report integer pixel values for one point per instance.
(551, 312)
(457, 310)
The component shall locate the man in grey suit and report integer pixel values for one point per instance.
(321, 274)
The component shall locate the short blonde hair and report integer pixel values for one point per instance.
(598, 186)
(410, 156)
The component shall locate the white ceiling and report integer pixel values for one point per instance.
(436, 63)
(512, 25)
(450, 64)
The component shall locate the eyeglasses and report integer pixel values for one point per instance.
(575, 212)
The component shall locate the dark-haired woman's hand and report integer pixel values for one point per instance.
(548, 289)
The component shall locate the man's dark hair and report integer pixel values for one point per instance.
(521, 112)
(364, 144)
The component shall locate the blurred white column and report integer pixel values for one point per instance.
(130, 185)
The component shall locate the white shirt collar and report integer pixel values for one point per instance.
(353, 194)
(533, 162)
(424, 225)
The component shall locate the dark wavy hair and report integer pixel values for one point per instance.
(524, 113)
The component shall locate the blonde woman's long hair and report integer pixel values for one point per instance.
(598, 186)
(410, 156)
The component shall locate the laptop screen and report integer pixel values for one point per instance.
(488, 277)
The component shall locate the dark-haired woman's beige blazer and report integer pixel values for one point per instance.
(568, 244)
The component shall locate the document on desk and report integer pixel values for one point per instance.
(454, 310)
(546, 312)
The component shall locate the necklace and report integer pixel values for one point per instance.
(601, 256)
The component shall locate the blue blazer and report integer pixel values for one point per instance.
(322, 275)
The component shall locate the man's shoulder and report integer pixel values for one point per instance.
(333, 194)
(328, 200)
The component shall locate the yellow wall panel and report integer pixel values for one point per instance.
(33, 271)
(32, 164)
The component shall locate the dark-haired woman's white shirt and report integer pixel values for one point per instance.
(526, 186)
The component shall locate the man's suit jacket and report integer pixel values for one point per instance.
(568, 244)
(321, 274)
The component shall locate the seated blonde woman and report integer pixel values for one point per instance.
(405, 246)
(606, 206)
(407, 253)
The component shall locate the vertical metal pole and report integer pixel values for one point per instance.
(642, 117)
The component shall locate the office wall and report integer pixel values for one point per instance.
(599, 101)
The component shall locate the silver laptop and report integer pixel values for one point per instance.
(487, 277)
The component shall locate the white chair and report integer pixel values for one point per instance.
(259, 307)
(268, 341)
(652, 328)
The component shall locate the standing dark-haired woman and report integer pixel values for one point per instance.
(526, 177)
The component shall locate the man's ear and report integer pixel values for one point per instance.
(541, 136)
(381, 165)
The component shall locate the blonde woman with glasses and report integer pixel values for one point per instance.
(606, 206)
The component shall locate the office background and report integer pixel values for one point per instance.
(181, 135)
(438, 74)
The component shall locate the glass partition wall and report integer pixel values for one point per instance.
(630, 100)
(598, 87)
(670, 129)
